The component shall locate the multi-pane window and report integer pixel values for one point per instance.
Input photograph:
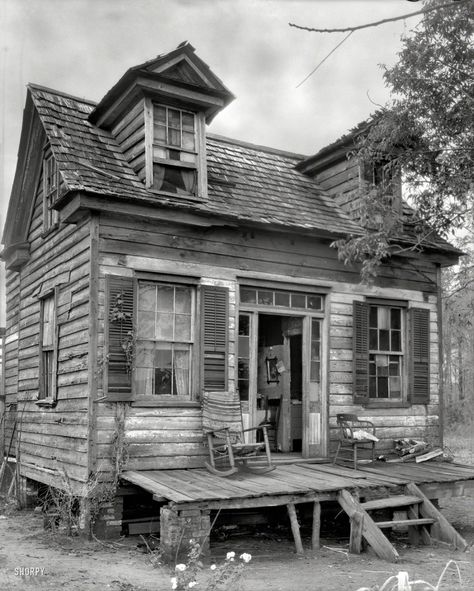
(315, 369)
(243, 367)
(386, 352)
(164, 339)
(50, 190)
(47, 347)
(174, 151)
(277, 298)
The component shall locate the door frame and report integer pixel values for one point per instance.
(311, 402)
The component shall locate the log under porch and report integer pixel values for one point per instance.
(188, 496)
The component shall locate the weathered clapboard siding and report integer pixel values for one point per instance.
(130, 134)
(341, 180)
(153, 438)
(415, 421)
(10, 359)
(54, 440)
(290, 255)
(127, 245)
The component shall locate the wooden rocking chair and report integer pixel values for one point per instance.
(222, 422)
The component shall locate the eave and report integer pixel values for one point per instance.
(16, 255)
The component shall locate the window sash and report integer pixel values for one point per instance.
(48, 347)
(174, 151)
(386, 352)
(164, 363)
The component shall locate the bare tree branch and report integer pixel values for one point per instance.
(323, 60)
(381, 22)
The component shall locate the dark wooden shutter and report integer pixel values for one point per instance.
(360, 351)
(120, 311)
(419, 356)
(215, 315)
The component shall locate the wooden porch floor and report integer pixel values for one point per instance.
(298, 482)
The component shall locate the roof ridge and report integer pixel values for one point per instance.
(60, 93)
(245, 144)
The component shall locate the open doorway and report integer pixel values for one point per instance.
(279, 398)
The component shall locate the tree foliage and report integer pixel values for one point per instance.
(427, 132)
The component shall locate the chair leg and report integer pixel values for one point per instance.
(354, 449)
(337, 452)
(267, 446)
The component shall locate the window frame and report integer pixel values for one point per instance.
(195, 323)
(402, 354)
(199, 151)
(47, 390)
(50, 190)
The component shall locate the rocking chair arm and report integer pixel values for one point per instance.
(263, 427)
(218, 430)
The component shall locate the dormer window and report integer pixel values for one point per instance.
(175, 154)
(51, 183)
(379, 174)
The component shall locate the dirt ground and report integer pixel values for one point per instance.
(31, 558)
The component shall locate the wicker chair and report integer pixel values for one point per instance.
(353, 435)
(228, 450)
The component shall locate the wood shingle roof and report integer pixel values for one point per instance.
(246, 183)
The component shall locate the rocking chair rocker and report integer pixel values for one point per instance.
(222, 423)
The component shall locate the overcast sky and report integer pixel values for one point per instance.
(82, 47)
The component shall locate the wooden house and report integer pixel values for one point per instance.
(149, 260)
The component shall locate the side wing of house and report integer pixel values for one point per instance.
(47, 333)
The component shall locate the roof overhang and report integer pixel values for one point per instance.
(157, 79)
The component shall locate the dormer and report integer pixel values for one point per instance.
(339, 171)
(158, 113)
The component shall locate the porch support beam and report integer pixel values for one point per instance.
(315, 541)
(295, 528)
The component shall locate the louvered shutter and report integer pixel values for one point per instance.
(215, 312)
(120, 302)
(360, 352)
(419, 356)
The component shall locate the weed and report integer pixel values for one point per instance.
(401, 582)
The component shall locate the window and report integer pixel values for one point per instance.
(165, 339)
(243, 363)
(315, 369)
(385, 352)
(391, 347)
(156, 346)
(47, 385)
(379, 174)
(175, 157)
(51, 183)
(277, 298)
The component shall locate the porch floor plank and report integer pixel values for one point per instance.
(299, 480)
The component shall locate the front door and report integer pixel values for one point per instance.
(279, 379)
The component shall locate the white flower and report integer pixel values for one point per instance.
(230, 556)
(180, 567)
(174, 583)
(246, 557)
(191, 584)
(213, 567)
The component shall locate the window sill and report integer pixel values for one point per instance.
(177, 196)
(387, 404)
(147, 402)
(46, 402)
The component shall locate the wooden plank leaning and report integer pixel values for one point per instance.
(446, 531)
(374, 536)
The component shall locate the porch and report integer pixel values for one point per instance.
(188, 496)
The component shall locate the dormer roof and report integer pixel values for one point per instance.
(179, 76)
